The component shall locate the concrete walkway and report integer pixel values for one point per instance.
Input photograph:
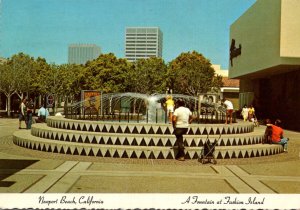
(30, 171)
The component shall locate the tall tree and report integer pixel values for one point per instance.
(106, 73)
(191, 73)
(148, 76)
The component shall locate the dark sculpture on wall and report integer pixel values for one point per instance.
(234, 52)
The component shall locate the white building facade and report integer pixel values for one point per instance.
(143, 42)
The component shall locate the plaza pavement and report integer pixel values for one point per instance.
(31, 171)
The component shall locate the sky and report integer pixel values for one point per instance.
(45, 28)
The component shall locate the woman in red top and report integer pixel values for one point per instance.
(277, 135)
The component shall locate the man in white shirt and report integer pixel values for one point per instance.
(229, 110)
(182, 117)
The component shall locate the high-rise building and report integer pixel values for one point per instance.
(143, 42)
(81, 53)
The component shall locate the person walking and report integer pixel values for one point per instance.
(251, 113)
(245, 112)
(22, 113)
(182, 117)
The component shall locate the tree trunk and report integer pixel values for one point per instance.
(8, 104)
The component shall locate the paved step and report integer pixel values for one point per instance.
(146, 128)
(43, 131)
(24, 138)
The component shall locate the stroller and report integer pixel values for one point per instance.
(207, 153)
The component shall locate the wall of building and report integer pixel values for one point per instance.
(258, 32)
(279, 97)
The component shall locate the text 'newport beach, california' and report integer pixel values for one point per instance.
(86, 200)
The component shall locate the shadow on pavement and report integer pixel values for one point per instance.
(12, 167)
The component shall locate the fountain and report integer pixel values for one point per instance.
(133, 125)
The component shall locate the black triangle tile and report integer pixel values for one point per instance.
(160, 156)
(262, 153)
(125, 155)
(169, 144)
(39, 147)
(91, 153)
(167, 131)
(126, 142)
(63, 126)
(118, 142)
(234, 142)
(109, 141)
(91, 129)
(219, 156)
(78, 127)
(73, 127)
(223, 131)
(200, 144)
(143, 131)
(112, 130)
(73, 139)
(193, 144)
(44, 149)
(62, 151)
(218, 131)
(61, 137)
(228, 143)
(97, 129)
(249, 141)
(169, 156)
(101, 141)
(159, 131)
(104, 129)
(160, 143)
(134, 142)
(83, 153)
(68, 152)
(240, 142)
(257, 154)
(233, 131)
(80, 139)
(151, 142)
(240, 155)
(226, 156)
(49, 149)
(127, 130)
(196, 156)
(252, 154)
(44, 135)
(107, 154)
(75, 151)
(198, 132)
(245, 142)
(211, 132)
(34, 147)
(52, 136)
(204, 132)
(246, 155)
(133, 155)
(143, 142)
(86, 140)
(94, 140)
(190, 132)
(233, 155)
(222, 142)
(55, 150)
(151, 131)
(84, 128)
(151, 156)
(187, 155)
(67, 138)
(143, 156)
(116, 154)
(68, 127)
(135, 130)
(48, 135)
(99, 153)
